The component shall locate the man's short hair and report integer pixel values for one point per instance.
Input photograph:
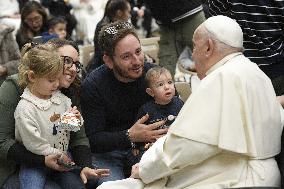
(112, 33)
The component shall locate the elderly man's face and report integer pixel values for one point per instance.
(128, 59)
(198, 54)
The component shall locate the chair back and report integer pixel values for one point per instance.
(150, 46)
(86, 53)
(184, 90)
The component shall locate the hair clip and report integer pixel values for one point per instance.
(121, 25)
(111, 30)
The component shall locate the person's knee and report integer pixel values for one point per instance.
(49, 184)
(69, 180)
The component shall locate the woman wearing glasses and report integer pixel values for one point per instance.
(33, 22)
(13, 153)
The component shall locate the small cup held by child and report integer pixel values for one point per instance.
(69, 121)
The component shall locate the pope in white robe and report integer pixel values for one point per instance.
(228, 131)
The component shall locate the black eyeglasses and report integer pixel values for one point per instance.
(36, 19)
(68, 63)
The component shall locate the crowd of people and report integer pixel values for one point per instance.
(123, 125)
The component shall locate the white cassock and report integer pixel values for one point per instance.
(88, 14)
(9, 8)
(226, 135)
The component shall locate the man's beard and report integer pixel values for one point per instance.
(122, 73)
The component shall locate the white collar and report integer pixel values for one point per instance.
(222, 62)
(42, 104)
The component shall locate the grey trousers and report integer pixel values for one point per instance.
(174, 38)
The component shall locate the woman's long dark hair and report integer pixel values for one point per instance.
(73, 92)
(29, 7)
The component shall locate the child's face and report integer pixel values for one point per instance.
(162, 88)
(60, 30)
(43, 87)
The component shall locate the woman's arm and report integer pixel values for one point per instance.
(80, 148)
(9, 148)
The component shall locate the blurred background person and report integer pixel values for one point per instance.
(10, 13)
(88, 13)
(115, 10)
(9, 52)
(263, 28)
(177, 20)
(33, 22)
(56, 29)
(61, 8)
(57, 25)
(139, 10)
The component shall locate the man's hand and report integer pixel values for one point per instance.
(140, 132)
(88, 173)
(135, 171)
(51, 162)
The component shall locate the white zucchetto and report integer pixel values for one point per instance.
(225, 30)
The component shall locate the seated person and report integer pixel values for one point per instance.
(227, 134)
(33, 22)
(57, 25)
(38, 123)
(13, 154)
(110, 99)
(61, 8)
(164, 106)
(10, 54)
(56, 29)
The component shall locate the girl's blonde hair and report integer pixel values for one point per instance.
(43, 60)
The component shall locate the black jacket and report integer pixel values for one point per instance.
(166, 11)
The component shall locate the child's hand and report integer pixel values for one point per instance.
(75, 111)
(88, 173)
(65, 157)
(51, 161)
(64, 162)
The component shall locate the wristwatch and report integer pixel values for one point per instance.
(128, 137)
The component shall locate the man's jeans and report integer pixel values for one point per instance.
(119, 162)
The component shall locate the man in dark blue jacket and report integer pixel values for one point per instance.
(111, 96)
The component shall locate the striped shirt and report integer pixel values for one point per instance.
(262, 22)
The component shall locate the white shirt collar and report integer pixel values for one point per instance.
(42, 104)
(222, 62)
